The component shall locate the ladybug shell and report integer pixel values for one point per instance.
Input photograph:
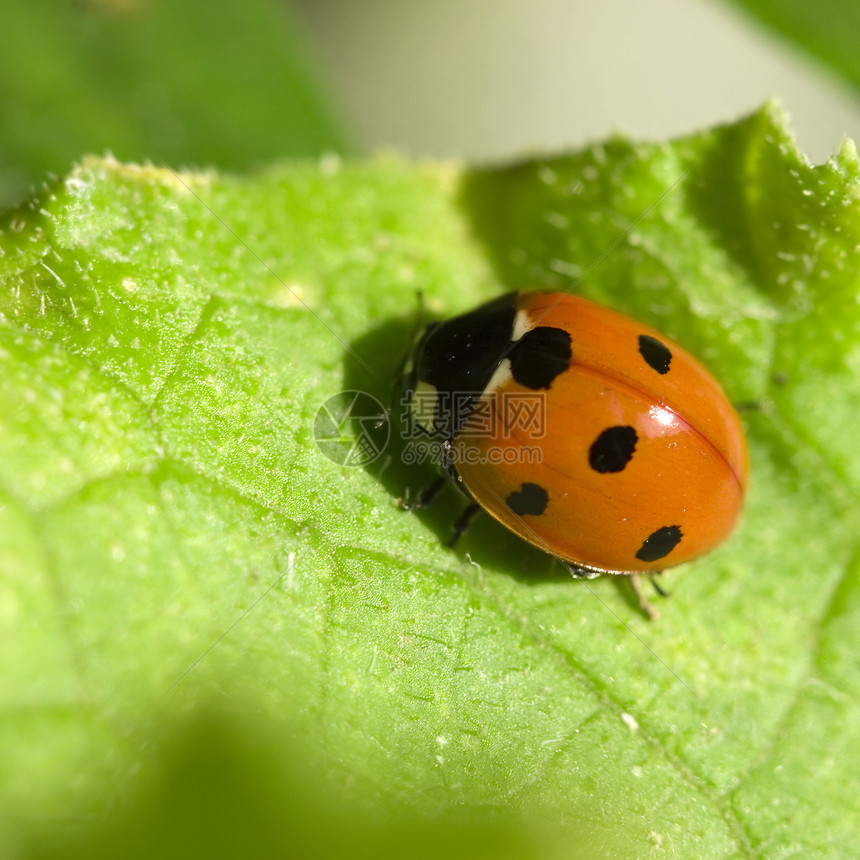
(623, 453)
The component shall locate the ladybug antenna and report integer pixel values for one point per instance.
(422, 311)
(405, 368)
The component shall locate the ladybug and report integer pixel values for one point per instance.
(583, 431)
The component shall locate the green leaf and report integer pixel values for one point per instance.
(174, 543)
(178, 82)
(827, 29)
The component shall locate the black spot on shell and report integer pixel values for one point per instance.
(659, 544)
(528, 500)
(539, 356)
(612, 449)
(656, 354)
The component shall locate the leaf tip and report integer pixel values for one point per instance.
(846, 156)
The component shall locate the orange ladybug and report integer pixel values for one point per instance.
(585, 432)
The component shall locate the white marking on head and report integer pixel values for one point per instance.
(500, 376)
(522, 324)
(423, 404)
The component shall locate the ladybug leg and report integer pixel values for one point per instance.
(384, 417)
(462, 523)
(746, 406)
(644, 604)
(578, 572)
(657, 587)
(426, 496)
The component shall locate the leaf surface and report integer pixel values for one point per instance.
(173, 541)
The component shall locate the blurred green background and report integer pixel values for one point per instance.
(234, 85)
(488, 78)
